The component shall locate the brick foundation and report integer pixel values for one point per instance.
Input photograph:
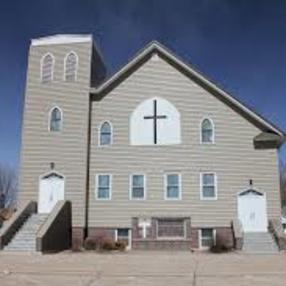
(152, 243)
(224, 233)
(77, 237)
(101, 231)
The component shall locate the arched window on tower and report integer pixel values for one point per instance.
(71, 64)
(105, 134)
(55, 119)
(47, 68)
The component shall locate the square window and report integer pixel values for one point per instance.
(138, 187)
(173, 186)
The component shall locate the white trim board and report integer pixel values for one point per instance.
(61, 39)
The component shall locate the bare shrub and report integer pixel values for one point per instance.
(221, 245)
(8, 187)
(90, 243)
(120, 245)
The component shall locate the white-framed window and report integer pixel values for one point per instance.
(207, 237)
(47, 68)
(173, 186)
(103, 186)
(124, 235)
(171, 228)
(137, 187)
(207, 131)
(55, 119)
(70, 67)
(208, 186)
(105, 134)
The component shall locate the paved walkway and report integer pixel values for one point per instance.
(142, 268)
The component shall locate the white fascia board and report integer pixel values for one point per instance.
(61, 39)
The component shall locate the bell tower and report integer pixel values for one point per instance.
(55, 132)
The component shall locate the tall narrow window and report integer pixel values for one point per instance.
(207, 131)
(207, 237)
(55, 119)
(105, 134)
(137, 187)
(47, 68)
(71, 63)
(208, 186)
(103, 191)
(172, 186)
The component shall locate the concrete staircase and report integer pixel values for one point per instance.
(25, 237)
(259, 243)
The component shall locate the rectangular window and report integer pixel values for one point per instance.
(208, 186)
(171, 228)
(137, 187)
(173, 186)
(207, 237)
(104, 187)
(123, 235)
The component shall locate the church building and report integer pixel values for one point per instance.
(156, 155)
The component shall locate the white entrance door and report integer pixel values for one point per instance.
(252, 211)
(51, 191)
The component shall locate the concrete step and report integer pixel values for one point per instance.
(25, 238)
(259, 243)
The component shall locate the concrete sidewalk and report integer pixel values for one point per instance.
(142, 268)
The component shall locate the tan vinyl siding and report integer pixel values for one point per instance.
(232, 157)
(68, 148)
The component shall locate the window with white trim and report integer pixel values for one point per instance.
(207, 131)
(207, 237)
(171, 228)
(137, 187)
(123, 235)
(103, 190)
(71, 64)
(172, 186)
(47, 68)
(208, 186)
(105, 134)
(55, 120)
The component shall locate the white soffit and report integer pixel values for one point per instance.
(61, 39)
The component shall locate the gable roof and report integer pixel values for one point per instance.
(156, 48)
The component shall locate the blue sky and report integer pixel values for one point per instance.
(239, 44)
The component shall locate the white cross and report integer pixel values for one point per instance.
(144, 224)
